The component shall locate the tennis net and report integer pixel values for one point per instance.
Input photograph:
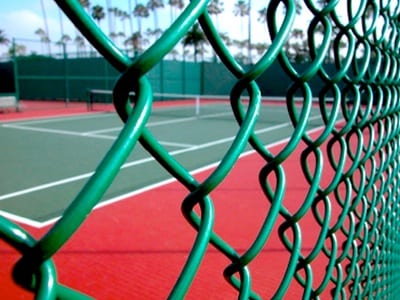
(169, 105)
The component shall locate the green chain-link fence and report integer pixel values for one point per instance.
(361, 245)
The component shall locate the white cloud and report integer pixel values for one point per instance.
(22, 23)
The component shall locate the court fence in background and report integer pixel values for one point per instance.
(65, 77)
(356, 210)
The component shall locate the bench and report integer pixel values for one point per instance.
(8, 101)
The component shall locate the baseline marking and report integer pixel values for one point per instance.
(42, 120)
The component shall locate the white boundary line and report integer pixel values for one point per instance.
(22, 220)
(37, 224)
(62, 117)
(92, 134)
(126, 165)
(150, 187)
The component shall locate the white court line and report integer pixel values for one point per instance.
(149, 124)
(38, 129)
(56, 131)
(66, 116)
(42, 120)
(165, 122)
(22, 220)
(164, 143)
(93, 134)
(116, 199)
(101, 136)
(46, 186)
(130, 164)
(173, 144)
(172, 121)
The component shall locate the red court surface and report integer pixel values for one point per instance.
(135, 248)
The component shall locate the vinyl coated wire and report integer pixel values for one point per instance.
(363, 151)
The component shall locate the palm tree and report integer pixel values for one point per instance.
(299, 7)
(64, 40)
(135, 41)
(112, 18)
(260, 48)
(262, 15)
(44, 39)
(113, 36)
(16, 50)
(123, 17)
(241, 44)
(110, 22)
(174, 54)
(215, 8)
(80, 44)
(98, 13)
(335, 30)
(195, 37)
(61, 45)
(130, 16)
(296, 47)
(4, 41)
(60, 16)
(140, 11)
(175, 5)
(226, 38)
(46, 27)
(154, 5)
(3, 38)
(156, 33)
(121, 35)
(242, 9)
(85, 4)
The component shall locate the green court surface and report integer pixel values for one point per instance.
(45, 162)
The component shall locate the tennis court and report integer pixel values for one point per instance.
(293, 199)
(58, 154)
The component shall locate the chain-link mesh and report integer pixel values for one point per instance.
(352, 165)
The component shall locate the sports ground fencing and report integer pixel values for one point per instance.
(360, 242)
(68, 78)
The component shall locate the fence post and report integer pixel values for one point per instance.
(15, 71)
(66, 79)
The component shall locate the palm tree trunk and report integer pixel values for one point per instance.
(109, 14)
(46, 25)
(249, 32)
(130, 11)
(60, 15)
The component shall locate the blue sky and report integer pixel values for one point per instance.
(21, 18)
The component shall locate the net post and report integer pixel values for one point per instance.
(197, 104)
